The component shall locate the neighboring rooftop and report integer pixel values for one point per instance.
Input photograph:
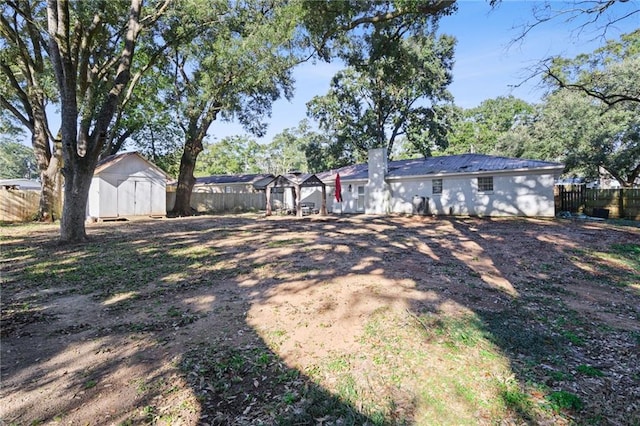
(29, 184)
(227, 179)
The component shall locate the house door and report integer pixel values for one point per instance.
(360, 202)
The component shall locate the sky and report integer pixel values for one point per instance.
(487, 63)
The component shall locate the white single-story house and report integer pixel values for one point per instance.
(467, 184)
(126, 185)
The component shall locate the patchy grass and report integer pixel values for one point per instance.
(253, 381)
(245, 321)
(620, 263)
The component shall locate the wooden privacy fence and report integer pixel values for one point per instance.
(18, 205)
(222, 202)
(614, 203)
(570, 198)
(620, 203)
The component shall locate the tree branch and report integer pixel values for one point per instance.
(608, 99)
(24, 120)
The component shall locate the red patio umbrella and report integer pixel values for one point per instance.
(338, 189)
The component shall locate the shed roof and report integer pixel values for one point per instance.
(111, 160)
(442, 165)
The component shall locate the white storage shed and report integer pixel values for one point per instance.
(126, 185)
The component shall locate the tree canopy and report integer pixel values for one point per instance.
(591, 118)
(16, 161)
(610, 74)
(235, 68)
(479, 129)
(394, 85)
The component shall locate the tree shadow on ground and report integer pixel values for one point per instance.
(240, 321)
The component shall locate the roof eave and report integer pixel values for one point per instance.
(558, 168)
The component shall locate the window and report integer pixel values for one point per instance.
(228, 189)
(360, 206)
(485, 184)
(437, 186)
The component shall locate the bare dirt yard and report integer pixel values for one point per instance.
(331, 321)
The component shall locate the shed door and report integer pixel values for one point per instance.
(142, 198)
(134, 197)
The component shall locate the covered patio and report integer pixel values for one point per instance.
(295, 181)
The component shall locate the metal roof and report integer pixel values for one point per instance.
(353, 172)
(443, 165)
(227, 179)
(292, 179)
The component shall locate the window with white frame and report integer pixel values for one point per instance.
(485, 184)
(437, 186)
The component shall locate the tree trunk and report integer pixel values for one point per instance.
(80, 149)
(47, 163)
(186, 180)
(77, 181)
(48, 210)
(47, 207)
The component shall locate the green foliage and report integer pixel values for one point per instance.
(16, 161)
(590, 371)
(608, 74)
(562, 400)
(591, 121)
(237, 62)
(242, 154)
(479, 129)
(394, 86)
(329, 24)
(324, 152)
(287, 150)
(584, 134)
(517, 400)
(232, 155)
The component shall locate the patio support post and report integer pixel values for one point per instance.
(323, 206)
(268, 194)
(298, 200)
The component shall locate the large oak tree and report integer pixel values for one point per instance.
(394, 85)
(27, 89)
(91, 45)
(234, 68)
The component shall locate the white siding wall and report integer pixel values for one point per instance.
(512, 195)
(349, 202)
(93, 202)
